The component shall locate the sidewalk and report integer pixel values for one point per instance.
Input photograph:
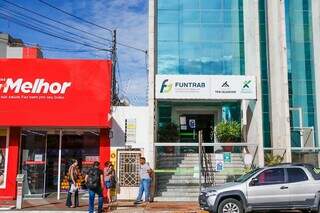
(52, 205)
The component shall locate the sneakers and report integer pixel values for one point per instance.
(137, 202)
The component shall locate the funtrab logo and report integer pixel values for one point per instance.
(165, 88)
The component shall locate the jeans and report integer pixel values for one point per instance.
(91, 200)
(144, 187)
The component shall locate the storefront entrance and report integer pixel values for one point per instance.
(46, 157)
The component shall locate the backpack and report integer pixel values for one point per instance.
(93, 181)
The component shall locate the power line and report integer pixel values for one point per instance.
(14, 12)
(74, 16)
(29, 26)
(56, 21)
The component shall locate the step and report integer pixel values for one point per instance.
(179, 194)
(176, 199)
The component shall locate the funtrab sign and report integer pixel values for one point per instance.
(214, 87)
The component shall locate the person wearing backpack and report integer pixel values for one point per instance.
(94, 182)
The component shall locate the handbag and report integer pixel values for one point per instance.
(73, 188)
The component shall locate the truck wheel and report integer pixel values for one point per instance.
(230, 205)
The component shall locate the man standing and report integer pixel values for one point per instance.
(94, 182)
(145, 181)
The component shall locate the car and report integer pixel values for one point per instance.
(280, 187)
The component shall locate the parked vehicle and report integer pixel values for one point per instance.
(281, 187)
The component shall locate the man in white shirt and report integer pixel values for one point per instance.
(145, 181)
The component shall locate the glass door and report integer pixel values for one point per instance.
(33, 162)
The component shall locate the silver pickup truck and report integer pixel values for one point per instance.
(282, 187)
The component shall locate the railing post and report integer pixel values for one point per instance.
(200, 157)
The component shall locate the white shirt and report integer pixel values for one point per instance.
(144, 171)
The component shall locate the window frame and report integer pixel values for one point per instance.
(288, 180)
(285, 177)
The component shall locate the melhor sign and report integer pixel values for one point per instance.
(214, 87)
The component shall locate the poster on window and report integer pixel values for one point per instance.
(3, 157)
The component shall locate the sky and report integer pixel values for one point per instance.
(128, 17)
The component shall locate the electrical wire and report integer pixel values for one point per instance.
(74, 16)
(89, 22)
(56, 21)
(29, 26)
(106, 39)
(48, 24)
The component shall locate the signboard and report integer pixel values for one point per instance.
(4, 142)
(130, 130)
(38, 157)
(227, 157)
(213, 87)
(43, 92)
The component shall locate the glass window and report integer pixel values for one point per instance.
(210, 4)
(168, 16)
(168, 57)
(190, 32)
(271, 176)
(3, 157)
(168, 32)
(189, 4)
(212, 16)
(232, 4)
(296, 175)
(190, 16)
(211, 32)
(168, 4)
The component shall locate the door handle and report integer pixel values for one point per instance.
(284, 187)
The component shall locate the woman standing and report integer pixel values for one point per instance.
(109, 178)
(73, 188)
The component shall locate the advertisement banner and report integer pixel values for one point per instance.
(3, 157)
(45, 92)
(212, 87)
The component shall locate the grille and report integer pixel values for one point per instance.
(129, 169)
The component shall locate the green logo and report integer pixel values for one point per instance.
(246, 84)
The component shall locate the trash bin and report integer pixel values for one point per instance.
(20, 179)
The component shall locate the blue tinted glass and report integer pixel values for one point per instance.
(168, 32)
(212, 16)
(208, 35)
(168, 16)
(189, 4)
(190, 16)
(168, 60)
(168, 4)
(210, 32)
(190, 32)
(210, 4)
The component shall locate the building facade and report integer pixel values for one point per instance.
(273, 41)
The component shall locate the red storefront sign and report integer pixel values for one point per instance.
(44, 92)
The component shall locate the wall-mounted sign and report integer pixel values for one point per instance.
(130, 130)
(213, 87)
(47, 92)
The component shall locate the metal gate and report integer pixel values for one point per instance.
(129, 164)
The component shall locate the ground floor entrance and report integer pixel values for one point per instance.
(46, 155)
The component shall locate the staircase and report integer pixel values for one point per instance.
(178, 179)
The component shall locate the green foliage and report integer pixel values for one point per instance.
(228, 131)
(271, 159)
(168, 133)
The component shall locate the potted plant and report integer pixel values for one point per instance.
(271, 160)
(169, 133)
(228, 132)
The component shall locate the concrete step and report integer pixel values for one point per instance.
(179, 189)
(176, 199)
(179, 194)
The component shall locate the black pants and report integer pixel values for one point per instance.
(76, 197)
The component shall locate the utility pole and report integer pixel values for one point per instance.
(114, 65)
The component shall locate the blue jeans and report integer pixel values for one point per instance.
(144, 187)
(91, 200)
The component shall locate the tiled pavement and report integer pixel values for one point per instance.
(52, 205)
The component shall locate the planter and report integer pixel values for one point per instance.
(227, 148)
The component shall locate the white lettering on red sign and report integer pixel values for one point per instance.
(39, 86)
